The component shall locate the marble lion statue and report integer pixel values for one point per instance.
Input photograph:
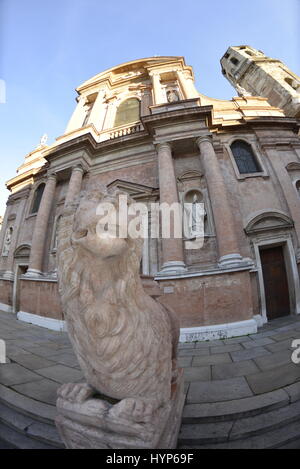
(125, 341)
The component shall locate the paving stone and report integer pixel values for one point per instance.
(273, 360)
(43, 351)
(185, 361)
(13, 373)
(201, 373)
(192, 352)
(286, 335)
(233, 370)
(32, 362)
(12, 350)
(258, 343)
(261, 335)
(215, 391)
(186, 345)
(43, 390)
(68, 360)
(248, 354)
(209, 343)
(283, 345)
(211, 360)
(236, 340)
(274, 379)
(60, 373)
(225, 348)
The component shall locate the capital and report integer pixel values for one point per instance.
(163, 146)
(154, 73)
(79, 168)
(204, 138)
(52, 176)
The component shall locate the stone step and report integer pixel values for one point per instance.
(240, 408)
(16, 440)
(286, 436)
(29, 427)
(292, 445)
(243, 428)
(5, 445)
(37, 410)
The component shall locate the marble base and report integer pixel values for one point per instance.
(233, 260)
(33, 273)
(172, 267)
(92, 424)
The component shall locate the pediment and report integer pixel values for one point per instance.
(294, 166)
(268, 221)
(136, 191)
(190, 175)
(22, 251)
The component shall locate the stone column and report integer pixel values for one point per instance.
(291, 196)
(98, 111)
(78, 116)
(3, 231)
(223, 217)
(146, 102)
(110, 114)
(14, 242)
(74, 184)
(40, 228)
(172, 248)
(187, 85)
(159, 97)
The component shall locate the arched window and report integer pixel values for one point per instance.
(37, 198)
(298, 187)
(244, 157)
(128, 111)
(293, 84)
(234, 61)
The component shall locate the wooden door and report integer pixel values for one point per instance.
(275, 282)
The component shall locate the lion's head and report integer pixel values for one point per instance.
(90, 251)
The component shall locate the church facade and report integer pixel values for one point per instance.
(143, 128)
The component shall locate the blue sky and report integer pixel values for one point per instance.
(49, 47)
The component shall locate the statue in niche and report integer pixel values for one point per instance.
(195, 215)
(241, 91)
(172, 96)
(125, 341)
(7, 241)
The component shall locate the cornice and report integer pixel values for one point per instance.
(31, 174)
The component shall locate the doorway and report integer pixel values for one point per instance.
(275, 279)
(20, 270)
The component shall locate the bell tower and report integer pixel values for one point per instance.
(250, 70)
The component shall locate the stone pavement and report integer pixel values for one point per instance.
(221, 371)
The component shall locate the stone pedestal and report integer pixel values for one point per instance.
(92, 424)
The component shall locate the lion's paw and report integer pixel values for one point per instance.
(76, 393)
(136, 410)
